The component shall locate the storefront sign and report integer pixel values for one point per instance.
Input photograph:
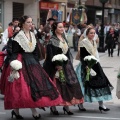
(48, 5)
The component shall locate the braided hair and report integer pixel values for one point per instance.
(22, 20)
(54, 27)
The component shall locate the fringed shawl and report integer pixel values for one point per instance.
(27, 45)
(91, 48)
(56, 42)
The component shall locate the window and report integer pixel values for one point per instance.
(18, 10)
(110, 2)
(119, 2)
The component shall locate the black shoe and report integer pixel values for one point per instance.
(17, 116)
(81, 109)
(37, 117)
(101, 108)
(68, 112)
(54, 112)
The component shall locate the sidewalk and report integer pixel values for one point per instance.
(110, 66)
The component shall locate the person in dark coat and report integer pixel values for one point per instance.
(110, 41)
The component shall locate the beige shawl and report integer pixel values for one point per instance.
(28, 46)
(91, 48)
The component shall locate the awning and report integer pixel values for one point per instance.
(49, 5)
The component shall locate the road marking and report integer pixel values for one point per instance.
(2, 112)
(102, 118)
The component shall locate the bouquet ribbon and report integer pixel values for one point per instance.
(13, 75)
(61, 76)
(88, 74)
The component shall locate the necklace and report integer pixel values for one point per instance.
(29, 38)
(64, 46)
(62, 40)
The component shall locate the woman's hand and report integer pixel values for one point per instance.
(58, 68)
(86, 67)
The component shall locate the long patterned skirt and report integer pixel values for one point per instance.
(32, 89)
(94, 92)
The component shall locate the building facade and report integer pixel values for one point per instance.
(94, 10)
(111, 11)
(16, 8)
(38, 11)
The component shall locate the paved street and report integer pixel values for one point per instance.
(110, 66)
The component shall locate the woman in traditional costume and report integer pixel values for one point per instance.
(97, 88)
(24, 82)
(69, 89)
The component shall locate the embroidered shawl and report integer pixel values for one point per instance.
(24, 42)
(56, 42)
(91, 48)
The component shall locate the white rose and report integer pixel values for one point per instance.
(16, 65)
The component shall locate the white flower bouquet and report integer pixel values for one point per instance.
(15, 66)
(60, 60)
(91, 60)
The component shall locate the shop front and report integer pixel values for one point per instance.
(45, 7)
(54, 9)
(17, 8)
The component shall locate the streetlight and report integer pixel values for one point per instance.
(79, 2)
(101, 43)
